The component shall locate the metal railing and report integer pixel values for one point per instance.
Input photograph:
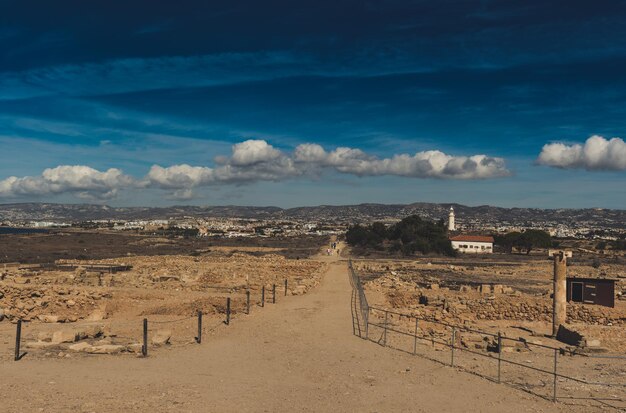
(375, 322)
(359, 299)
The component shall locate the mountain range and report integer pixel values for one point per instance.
(336, 213)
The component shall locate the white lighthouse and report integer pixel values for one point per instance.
(451, 226)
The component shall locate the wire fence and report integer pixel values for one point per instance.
(550, 372)
(138, 336)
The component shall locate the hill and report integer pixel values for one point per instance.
(527, 217)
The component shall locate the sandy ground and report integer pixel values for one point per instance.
(299, 355)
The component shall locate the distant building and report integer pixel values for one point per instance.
(451, 226)
(473, 244)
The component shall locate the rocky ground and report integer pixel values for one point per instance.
(77, 310)
(78, 306)
(299, 355)
(487, 296)
(482, 292)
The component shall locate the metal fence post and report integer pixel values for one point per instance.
(385, 336)
(452, 350)
(263, 296)
(273, 293)
(285, 287)
(356, 314)
(415, 338)
(499, 354)
(556, 357)
(227, 310)
(247, 301)
(18, 339)
(367, 324)
(144, 348)
(352, 309)
(199, 338)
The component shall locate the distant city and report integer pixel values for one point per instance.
(242, 221)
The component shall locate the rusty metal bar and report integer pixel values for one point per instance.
(452, 349)
(144, 348)
(499, 355)
(385, 339)
(199, 338)
(18, 339)
(227, 310)
(556, 358)
(415, 338)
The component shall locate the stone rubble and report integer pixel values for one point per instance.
(48, 305)
(484, 302)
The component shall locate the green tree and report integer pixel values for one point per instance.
(356, 235)
(416, 234)
(534, 238)
(412, 234)
(379, 229)
(508, 241)
(619, 244)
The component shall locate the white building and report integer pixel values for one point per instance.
(472, 244)
(451, 226)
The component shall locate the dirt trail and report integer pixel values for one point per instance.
(296, 356)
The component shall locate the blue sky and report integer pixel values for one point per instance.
(256, 103)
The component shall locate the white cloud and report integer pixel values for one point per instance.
(180, 176)
(256, 160)
(182, 195)
(310, 152)
(252, 161)
(428, 164)
(596, 154)
(253, 152)
(84, 181)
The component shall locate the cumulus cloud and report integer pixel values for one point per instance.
(250, 161)
(253, 152)
(596, 154)
(310, 152)
(257, 160)
(426, 164)
(180, 176)
(253, 161)
(84, 181)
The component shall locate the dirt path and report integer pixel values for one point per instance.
(297, 356)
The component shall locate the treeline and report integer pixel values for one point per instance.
(523, 241)
(618, 244)
(412, 234)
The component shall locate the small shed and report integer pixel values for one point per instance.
(599, 291)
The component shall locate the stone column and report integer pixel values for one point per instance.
(559, 313)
